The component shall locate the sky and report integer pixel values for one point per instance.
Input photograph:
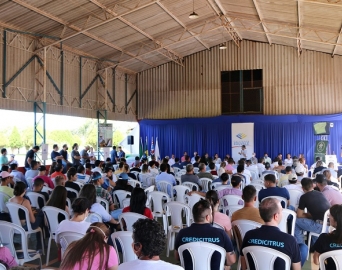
(26, 119)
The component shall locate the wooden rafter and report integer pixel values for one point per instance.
(262, 19)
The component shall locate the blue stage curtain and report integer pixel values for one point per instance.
(272, 134)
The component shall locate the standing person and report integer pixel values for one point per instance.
(30, 156)
(84, 154)
(64, 153)
(243, 152)
(55, 155)
(121, 153)
(113, 155)
(202, 230)
(91, 251)
(3, 158)
(148, 244)
(270, 236)
(330, 241)
(75, 156)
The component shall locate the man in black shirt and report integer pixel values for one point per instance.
(30, 156)
(316, 205)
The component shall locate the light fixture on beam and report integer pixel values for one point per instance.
(222, 46)
(193, 14)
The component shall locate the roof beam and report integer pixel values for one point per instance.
(182, 24)
(170, 54)
(226, 21)
(76, 28)
(262, 19)
(299, 43)
(104, 22)
(337, 42)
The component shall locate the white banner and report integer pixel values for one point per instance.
(105, 135)
(45, 151)
(242, 134)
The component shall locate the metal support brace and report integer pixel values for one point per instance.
(39, 108)
(4, 60)
(130, 99)
(101, 115)
(126, 89)
(80, 85)
(62, 75)
(49, 76)
(90, 85)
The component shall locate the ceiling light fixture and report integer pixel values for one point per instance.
(223, 45)
(193, 14)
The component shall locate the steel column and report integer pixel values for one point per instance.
(80, 89)
(103, 114)
(62, 75)
(4, 60)
(126, 89)
(36, 133)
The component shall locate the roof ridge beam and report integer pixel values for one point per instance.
(170, 54)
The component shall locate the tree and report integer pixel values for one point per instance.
(3, 140)
(118, 136)
(27, 137)
(15, 140)
(61, 137)
(91, 137)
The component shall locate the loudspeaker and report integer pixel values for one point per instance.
(130, 140)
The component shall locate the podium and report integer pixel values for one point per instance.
(333, 159)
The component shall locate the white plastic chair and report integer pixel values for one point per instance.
(264, 257)
(130, 218)
(65, 238)
(7, 231)
(196, 170)
(13, 209)
(119, 196)
(3, 200)
(335, 255)
(72, 190)
(191, 185)
(2, 267)
(29, 182)
(147, 191)
(180, 192)
(201, 254)
(149, 181)
(125, 239)
(175, 210)
(126, 202)
(228, 200)
(157, 200)
(47, 190)
(294, 197)
(94, 217)
(218, 226)
(103, 202)
(193, 199)
(80, 184)
(231, 209)
(51, 214)
(134, 183)
(34, 197)
(68, 203)
(240, 227)
(254, 175)
(205, 184)
(279, 198)
(325, 228)
(283, 223)
(165, 187)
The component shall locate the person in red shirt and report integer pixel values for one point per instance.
(137, 203)
(58, 171)
(212, 168)
(42, 175)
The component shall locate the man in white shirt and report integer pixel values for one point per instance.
(293, 184)
(332, 170)
(267, 159)
(243, 152)
(193, 159)
(313, 166)
(97, 166)
(164, 176)
(172, 160)
(261, 166)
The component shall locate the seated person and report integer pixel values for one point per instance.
(42, 175)
(58, 171)
(122, 183)
(72, 177)
(137, 203)
(212, 168)
(5, 180)
(101, 192)
(190, 176)
(81, 175)
(38, 185)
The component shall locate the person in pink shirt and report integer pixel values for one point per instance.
(42, 175)
(91, 251)
(219, 218)
(229, 167)
(183, 157)
(7, 258)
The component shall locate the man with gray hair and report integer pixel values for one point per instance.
(269, 235)
(190, 176)
(203, 173)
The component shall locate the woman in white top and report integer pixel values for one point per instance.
(288, 161)
(89, 191)
(222, 169)
(80, 207)
(148, 243)
(217, 160)
(144, 175)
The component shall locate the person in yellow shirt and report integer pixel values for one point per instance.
(5, 180)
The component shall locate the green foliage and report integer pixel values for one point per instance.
(15, 141)
(91, 137)
(118, 136)
(3, 140)
(61, 137)
(27, 137)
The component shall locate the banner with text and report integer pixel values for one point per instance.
(242, 134)
(105, 135)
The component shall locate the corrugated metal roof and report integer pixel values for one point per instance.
(140, 34)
